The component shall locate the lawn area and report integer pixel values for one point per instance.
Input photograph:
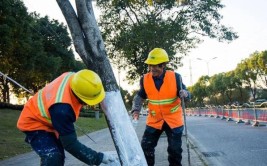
(12, 140)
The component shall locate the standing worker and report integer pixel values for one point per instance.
(161, 88)
(48, 118)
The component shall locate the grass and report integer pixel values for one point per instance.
(12, 140)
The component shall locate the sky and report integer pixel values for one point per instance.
(247, 18)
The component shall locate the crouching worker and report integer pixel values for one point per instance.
(48, 118)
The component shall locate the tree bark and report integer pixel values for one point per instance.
(89, 45)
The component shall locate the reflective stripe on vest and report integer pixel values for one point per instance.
(59, 96)
(162, 102)
(41, 105)
(174, 109)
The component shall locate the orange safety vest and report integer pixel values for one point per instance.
(163, 105)
(35, 114)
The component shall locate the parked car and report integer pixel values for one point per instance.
(246, 105)
(259, 103)
(263, 105)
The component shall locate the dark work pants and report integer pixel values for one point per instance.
(150, 141)
(47, 146)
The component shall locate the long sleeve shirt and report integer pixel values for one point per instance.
(63, 118)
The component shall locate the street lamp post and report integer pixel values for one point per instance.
(207, 63)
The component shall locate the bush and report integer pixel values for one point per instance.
(90, 113)
(10, 106)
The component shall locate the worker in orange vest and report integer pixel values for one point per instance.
(48, 118)
(161, 88)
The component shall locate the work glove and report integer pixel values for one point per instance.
(135, 114)
(109, 158)
(183, 93)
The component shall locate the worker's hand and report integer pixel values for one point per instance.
(135, 115)
(183, 93)
(109, 158)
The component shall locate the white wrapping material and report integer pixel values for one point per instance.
(124, 136)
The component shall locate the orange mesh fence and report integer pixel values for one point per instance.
(259, 114)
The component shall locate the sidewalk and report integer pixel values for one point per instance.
(104, 143)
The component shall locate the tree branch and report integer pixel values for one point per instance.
(90, 29)
(136, 17)
(75, 29)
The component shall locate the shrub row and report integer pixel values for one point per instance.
(84, 112)
(11, 106)
(90, 113)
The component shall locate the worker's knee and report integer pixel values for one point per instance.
(52, 159)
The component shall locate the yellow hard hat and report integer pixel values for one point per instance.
(157, 56)
(87, 85)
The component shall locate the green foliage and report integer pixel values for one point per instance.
(246, 81)
(220, 89)
(14, 41)
(128, 98)
(199, 91)
(33, 50)
(54, 56)
(253, 69)
(133, 28)
(261, 66)
(262, 94)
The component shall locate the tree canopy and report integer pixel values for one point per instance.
(132, 28)
(246, 82)
(33, 49)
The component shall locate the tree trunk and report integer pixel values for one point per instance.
(89, 45)
(5, 91)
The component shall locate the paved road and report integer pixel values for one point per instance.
(228, 143)
(104, 143)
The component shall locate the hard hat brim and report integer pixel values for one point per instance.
(95, 101)
(149, 62)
